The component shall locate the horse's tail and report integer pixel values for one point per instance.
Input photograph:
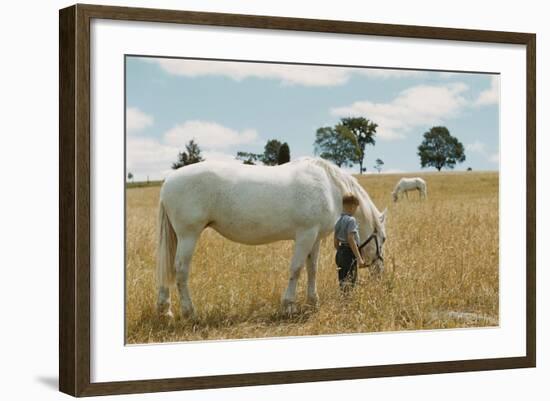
(166, 250)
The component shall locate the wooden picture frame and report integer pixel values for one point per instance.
(75, 207)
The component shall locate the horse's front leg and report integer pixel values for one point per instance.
(312, 260)
(302, 248)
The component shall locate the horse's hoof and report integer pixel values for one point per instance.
(166, 315)
(188, 313)
(313, 301)
(289, 308)
(163, 310)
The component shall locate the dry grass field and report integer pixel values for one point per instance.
(441, 271)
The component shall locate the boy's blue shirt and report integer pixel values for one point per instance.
(346, 224)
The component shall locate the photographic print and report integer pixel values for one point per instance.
(270, 199)
(241, 187)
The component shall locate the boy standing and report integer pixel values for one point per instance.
(346, 243)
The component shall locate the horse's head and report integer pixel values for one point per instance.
(372, 245)
(394, 196)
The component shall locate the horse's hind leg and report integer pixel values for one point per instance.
(184, 253)
(303, 246)
(312, 260)
(163, 302)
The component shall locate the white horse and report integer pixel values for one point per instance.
(410, 184)
(299, 201)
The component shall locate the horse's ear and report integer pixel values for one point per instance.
(383, 216)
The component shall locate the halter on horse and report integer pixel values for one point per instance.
(379, 256)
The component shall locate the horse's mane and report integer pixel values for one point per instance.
(347, 184)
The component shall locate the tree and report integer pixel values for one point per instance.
(440, 149)
(182, 160)
(130, 176)
(360, 132)
(378, 165)
(271, 152)
(331, 145)
(191, 155)
(284, 154)
(270, 157)
(248, 158)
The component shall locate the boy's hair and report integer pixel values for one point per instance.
(350, 199)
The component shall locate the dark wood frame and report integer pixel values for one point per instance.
(74, 199)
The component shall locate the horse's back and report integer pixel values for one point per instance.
(410, 180)
(239, 199)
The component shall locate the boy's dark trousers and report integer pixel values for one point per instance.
(347, 267)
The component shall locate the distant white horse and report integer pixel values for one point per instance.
(410, 184)
(299, 201)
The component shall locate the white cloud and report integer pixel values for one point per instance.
(148, 157)
(137, 120)
(479, 147)
(288, 74)
(208, 135)
(413, 107)
(476, 146)
(491, 95)
(220, 157)
(388, 73)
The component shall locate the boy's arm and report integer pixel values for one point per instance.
(336, 242)
(354, 248)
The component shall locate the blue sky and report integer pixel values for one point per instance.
(237, 106)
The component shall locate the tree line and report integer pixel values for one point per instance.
(275, 153)
(345, 144)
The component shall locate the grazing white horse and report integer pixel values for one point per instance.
(299, 201)
(410, 184)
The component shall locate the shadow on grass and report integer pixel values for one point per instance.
(198, 328)
(219, 319)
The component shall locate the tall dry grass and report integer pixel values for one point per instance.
(441, 271)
